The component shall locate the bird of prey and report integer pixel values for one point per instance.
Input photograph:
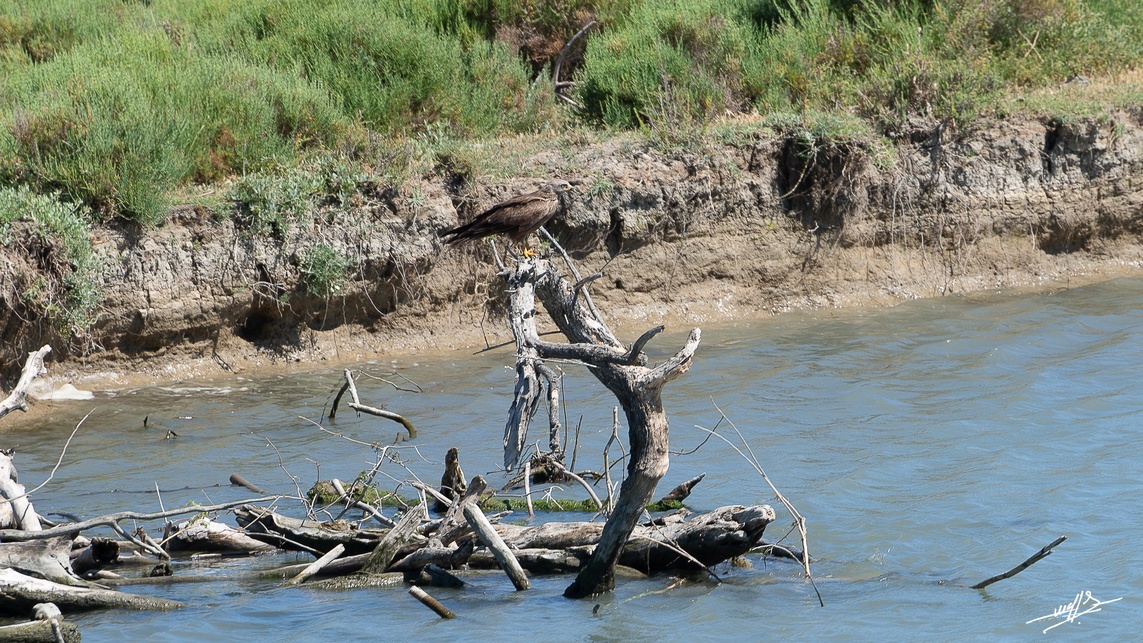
(515, 218)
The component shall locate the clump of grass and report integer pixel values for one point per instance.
(323, 271)
(118, 125)
(270, 201)
(66, 293)
(668, 68)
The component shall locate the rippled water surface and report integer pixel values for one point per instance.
(941, 440)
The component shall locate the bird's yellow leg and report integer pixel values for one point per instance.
(528, 252)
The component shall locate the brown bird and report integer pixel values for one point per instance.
(515, 218)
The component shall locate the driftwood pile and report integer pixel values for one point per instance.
(44, 563)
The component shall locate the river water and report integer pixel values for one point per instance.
(940, 440)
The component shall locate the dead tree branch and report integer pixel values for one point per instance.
(33, 368)
(622, 370)
(1032, 560)
(356, 405)
(112, 520)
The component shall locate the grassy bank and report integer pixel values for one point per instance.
(121, 108)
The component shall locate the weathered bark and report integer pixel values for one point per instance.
(453, 525)
(33, 368)
(204, 534)
(453, 483)
(19, 593)
(294, 534)
(49, 559)
(389, 546)
(449, 557)
(40, 632)
(492, 540)
(97, 554)
(622, 371)
(16, 511)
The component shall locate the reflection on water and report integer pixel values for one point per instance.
(939, 440)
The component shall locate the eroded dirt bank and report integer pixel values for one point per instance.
(759, 226)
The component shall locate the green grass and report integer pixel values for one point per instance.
(122, 105)
(66, 294)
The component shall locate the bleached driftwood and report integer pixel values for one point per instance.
(204, 534)
(313, 568)
(492, 540)
(16, 511)
(19, 593)
(113, 520)
(33, 368)
(49, 559)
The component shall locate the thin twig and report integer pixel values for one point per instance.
(606, 463)
(110, 520)
(282, 466)
(528, 486)
(575, 273)
(799, 519)
(1032, 560)
(58, 461)
(581, 481)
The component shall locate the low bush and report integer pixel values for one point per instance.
(66, 291)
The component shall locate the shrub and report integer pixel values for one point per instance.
(678, 61)
(323, 271)
(67, 292)
(119, 125)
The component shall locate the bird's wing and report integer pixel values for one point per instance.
(515, 217)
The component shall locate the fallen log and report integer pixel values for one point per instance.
(204, 534)
(538, 561)
(47, 626)
(305, 535)
(672, 542)
(492, 540)
(19, 593)
(446, 557)
(98, 553)
(662, 545)
(48, 559)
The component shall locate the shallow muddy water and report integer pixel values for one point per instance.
(941, 440)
